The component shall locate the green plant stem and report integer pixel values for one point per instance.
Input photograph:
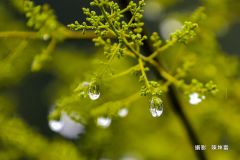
(168, 83)
(99, 27)
(122, 73)
(166, 46)
(108, 29)
(143, 73)
(162, 72)
(178, 59)
(129, 53)
(142, 68)
(131, 98)
(87, 35)
(116, 32)
(51, 46)
(67, 34)
(113, 54)
(122, 11)
(80, 88)
(17, 34)
(129, 23)
(18, 50)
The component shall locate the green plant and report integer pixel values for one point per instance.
(110, 86)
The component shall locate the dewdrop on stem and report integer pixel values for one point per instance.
(156, 107)
(93, 90)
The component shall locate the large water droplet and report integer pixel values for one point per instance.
(93, 90)
(156, 107)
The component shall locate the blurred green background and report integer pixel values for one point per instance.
(26, 98)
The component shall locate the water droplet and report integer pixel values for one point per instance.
(194, 99)
(84, 84)
(68, 127)
(93, 90)
(104, 122)
(55, 126)
(123, 112)
(45, 37)
(156, 107)
(82, 94)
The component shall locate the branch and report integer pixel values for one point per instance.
(16, 34)
(113, 54)
(88, 35)
(116, 32)
(19, 49)
(68, 35)
(155, 53)
(122, 73)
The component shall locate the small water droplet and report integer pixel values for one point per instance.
(194, 99)
(45, 37)
(84, 84)
(55, 126)
(123, 112)
(156, 107)
(93, 90)
(104, 122)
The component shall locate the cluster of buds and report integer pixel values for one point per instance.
(144, 91)
(42, 18)
(155, 38)
(137, 38)
(201, 89)
(188, 30)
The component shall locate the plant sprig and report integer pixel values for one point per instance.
(130, 42)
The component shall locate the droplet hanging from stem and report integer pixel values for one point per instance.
(93, 90)
(156, 106)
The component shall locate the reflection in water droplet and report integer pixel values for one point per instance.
(104, 122)
(55, 126)
(93, 90)
(123, 112)
(156, 107)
